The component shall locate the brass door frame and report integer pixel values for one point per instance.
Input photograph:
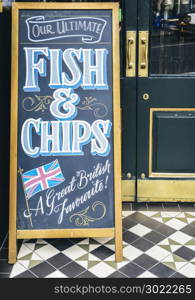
(128, 190)
(166, 190)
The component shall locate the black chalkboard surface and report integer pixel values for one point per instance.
(65, 123)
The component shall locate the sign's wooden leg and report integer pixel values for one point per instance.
(118, 232)
(12, 256)
(118, 247)
(12, 253)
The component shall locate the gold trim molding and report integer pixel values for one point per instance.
(166, 190)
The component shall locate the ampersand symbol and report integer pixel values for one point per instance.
(66, 99)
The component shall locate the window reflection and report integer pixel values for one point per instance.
(173, 37)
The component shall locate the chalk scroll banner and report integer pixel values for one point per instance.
(65, 123)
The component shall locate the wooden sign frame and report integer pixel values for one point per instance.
(116, 232)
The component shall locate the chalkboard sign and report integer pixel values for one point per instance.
(65, 123)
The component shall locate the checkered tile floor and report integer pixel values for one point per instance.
(155, 244)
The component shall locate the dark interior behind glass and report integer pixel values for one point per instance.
(172, 43)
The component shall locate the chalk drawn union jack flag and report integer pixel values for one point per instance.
(42, 178)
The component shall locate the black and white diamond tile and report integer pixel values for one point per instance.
(56, 274)
(142, 244)
(161, 270)
(188, 270)
(155, 244)
(147, 274)
(140, 230)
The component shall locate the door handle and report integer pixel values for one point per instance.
(143, 54)
(130, 53)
